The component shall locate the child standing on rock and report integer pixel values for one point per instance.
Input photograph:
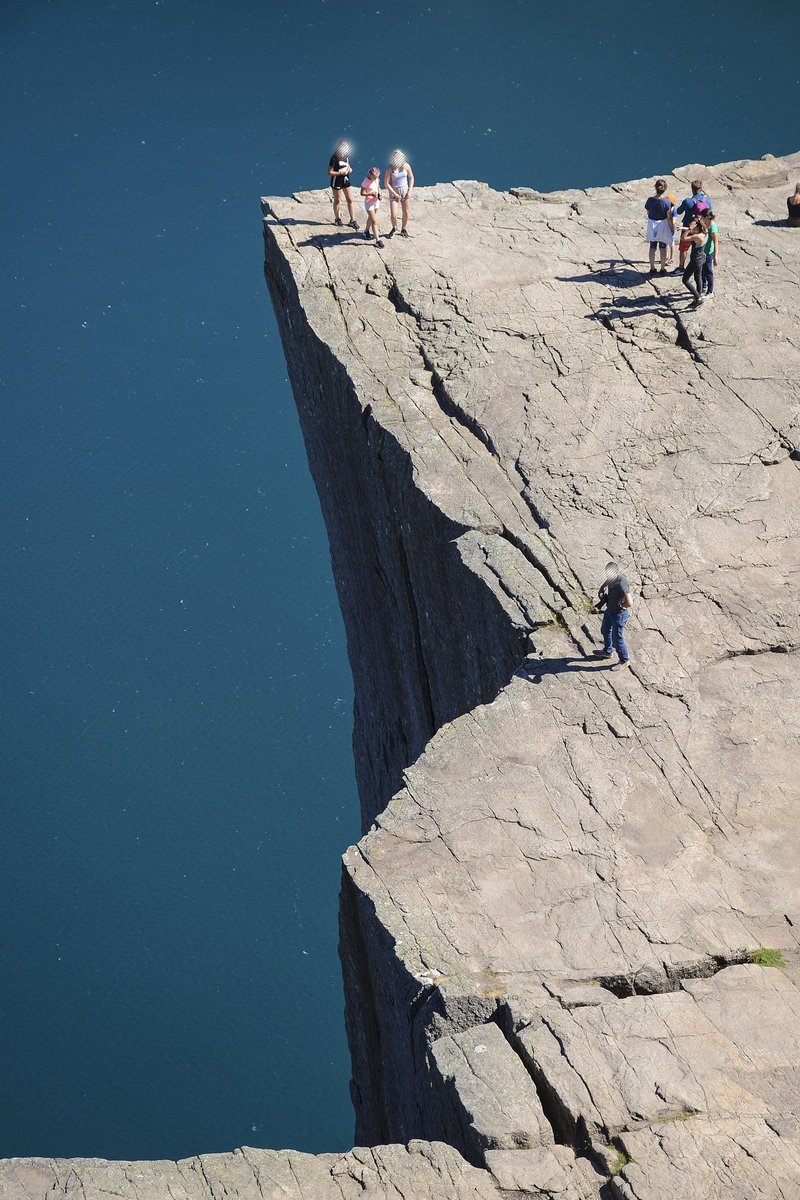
(371, 191)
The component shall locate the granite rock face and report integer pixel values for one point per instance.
(384, 1173)
(589, 862)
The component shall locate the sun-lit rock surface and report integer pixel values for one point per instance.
(493, 409)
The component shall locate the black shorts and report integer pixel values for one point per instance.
(340, 181)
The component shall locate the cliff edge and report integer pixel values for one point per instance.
(569, 934)
(571, 876)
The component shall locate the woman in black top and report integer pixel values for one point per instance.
(793, 205)
(696, 236)
(339, 171)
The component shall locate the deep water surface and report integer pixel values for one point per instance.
(177, 781)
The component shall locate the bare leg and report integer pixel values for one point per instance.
(406, 203)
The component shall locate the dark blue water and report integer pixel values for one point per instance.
(176, 706)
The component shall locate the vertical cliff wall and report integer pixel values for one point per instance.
(418, 540)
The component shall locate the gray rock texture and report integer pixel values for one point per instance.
(576, 855)
(554, 929)
(383, 1173)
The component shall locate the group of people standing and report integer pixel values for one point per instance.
(697, 236)
(398, 181)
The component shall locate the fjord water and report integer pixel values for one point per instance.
(177, 782)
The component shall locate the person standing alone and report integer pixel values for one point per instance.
(615, 592)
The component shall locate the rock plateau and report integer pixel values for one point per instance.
(559, 931)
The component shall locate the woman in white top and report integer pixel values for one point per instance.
(399, 182)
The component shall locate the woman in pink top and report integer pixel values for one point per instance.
(371, 191)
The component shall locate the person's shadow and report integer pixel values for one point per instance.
(337, 239)
(296, 221)
(535, 669)
(782, 224)
(616, 272)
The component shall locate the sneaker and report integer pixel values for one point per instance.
(709, 296)
(678, 271)
(601, 653)
(367, 234)
(623, 662)
(379, 243)
(403, 233)
(663, 271)
(654, 270)
(338, 221)
(352, 224)
(391, 232)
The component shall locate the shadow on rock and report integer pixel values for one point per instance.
(297, 221)
(535, 669)
(336, 239)
(616, 272)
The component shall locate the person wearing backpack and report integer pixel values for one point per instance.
(693, 206)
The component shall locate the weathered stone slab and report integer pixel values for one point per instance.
(491, 1096)
(747, 1159)
(721, 1047)
(552, 1172)
(422, 1170)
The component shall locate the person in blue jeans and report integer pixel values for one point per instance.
(615, 593)
(712, 245)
